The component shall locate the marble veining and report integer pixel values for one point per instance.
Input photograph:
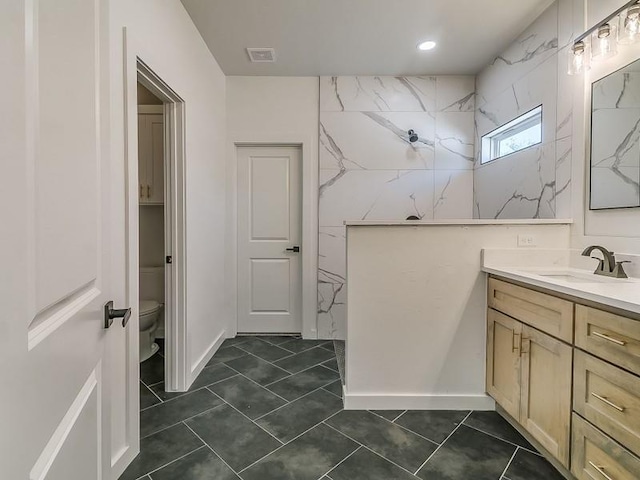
(615, 146)
(535, 182)
(370, 171)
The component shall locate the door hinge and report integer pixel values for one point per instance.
(169, 259)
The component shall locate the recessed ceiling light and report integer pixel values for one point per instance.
(430, 45)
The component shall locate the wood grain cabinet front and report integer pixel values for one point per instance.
(612, 337)
(529, 376)
(547, 313)
(609, 398)
(595, 456)
(545, 409)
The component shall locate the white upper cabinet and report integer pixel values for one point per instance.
(151, 158)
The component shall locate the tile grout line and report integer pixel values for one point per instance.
(245, 416)
(341, 462)
(182, 394)
(256, 383)
(333, 393)
(506, 441)
(319, 364)
(211, 448)
(239, 347)
(302, 371)
(406, 429)
(367, 448)
(504, 472)
(184, 420)
(443, 442)
(394, 420)
(154, 393)
(289, 403)
(173, 461)
(262, 360)
(284, 445)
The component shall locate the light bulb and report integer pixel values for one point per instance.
(579, 58)
(630, 25)
(604, 42)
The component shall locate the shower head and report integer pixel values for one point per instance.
(413, 136)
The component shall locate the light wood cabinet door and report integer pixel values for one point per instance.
(545, 406)
(547, 313)
(609, 336)
(609, 398)
(595, 456)
(503, 361)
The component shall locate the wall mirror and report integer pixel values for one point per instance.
(615, 140)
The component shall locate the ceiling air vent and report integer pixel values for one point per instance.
(262, 55)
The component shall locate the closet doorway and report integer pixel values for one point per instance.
(159, 245)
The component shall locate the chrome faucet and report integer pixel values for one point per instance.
(607, 266)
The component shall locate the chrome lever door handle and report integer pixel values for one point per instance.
(110, 313)
(295, 249)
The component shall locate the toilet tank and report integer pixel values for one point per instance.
(152, 284)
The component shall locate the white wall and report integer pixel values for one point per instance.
(618, 230)
(416, 333)
(269, 110)
(164, 37)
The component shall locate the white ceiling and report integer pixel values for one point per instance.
(360, 37)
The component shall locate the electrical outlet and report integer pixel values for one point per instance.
(526, 241)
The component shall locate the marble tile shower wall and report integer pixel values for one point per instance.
(370, 171)
(534, 183)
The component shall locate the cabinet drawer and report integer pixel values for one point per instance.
(609, 398)
(609, 336)
(595, 456)
(546, 313)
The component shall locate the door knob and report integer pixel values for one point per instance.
(110, 313)
(295, 249)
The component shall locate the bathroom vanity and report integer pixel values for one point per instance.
(563, 363)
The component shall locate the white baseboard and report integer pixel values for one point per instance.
(417, 402)
(204, 359)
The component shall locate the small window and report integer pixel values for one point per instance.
(523, 132)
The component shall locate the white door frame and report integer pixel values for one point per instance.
(176, 369)
(309, 221)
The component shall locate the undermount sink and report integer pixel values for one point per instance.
(579, 277)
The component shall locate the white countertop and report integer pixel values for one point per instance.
(537, 268)
(410, 223)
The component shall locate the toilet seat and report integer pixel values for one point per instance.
(148, 306)
(148, 314)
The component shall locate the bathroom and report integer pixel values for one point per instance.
(323, 240)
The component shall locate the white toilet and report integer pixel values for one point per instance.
(151, 310)
(149, 315)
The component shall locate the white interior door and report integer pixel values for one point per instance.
(269, 232)
(55, 196)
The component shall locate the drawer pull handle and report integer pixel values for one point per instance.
(600, 470)
(516, 344)
(611, 404)
(609, 339)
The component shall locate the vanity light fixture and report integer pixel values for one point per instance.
(579, 59)
(601, 41)
(429, 45)
(629, 25)
(604, 42)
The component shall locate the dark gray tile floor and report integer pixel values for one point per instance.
(270, 408)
